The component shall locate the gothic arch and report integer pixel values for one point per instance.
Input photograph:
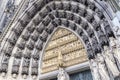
(25, 40)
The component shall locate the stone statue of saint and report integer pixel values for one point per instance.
(110, 62)
(102, 67)
(94, 69)
(62, 74)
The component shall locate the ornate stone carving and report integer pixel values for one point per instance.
(82, 12)
(102, 68)
(70, 47)
(46, 21)
(21, 44)
(30, 44)
(84, 25)
(25, 66)
(94, 69)
(40, 28)
(35, 35)
(26, 35)
(44, 36)
(90, 18)
(39, 45)
(109, 59)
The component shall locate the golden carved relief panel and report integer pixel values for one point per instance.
(71, 48)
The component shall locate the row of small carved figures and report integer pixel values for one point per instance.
(43, 38)
(18, 59)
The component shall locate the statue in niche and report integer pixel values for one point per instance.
(62, 74)
(94, 69)
(102, 67)
(110, 62)
(115, 49)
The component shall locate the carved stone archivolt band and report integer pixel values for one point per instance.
(30, 33)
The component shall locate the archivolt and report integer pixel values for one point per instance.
(25, 40)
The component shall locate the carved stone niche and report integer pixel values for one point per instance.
(90, 32)
(90, 51)
(34, 67)
(49, 29)
(39, 45)
(23, 22)
(51, 16)
(27, 54)
(99, 14)
(12, 40)
(15, 69)
(85, 38)
(82, 12)
(92, 6)
(67, 6)
(85, 2)
(40, 28)
(17, 30)
(48, 8)
(59, 5)
(35, 35)
(25, 70)
(46, 21)
(8, 49)
(21, 44)
(103, 39)
(75, 8)
(34, 71)
(73, 26)
(26, 35)
(44, 36)
(61, 14)
(96, 25)
(108, 29)
(58, 21)
(84, 25)
(31, 13)
(90, 18)
(31, 27)
(37, 19)
(65, 23)
(30, 44)
(25, 66)
(4, 68)
(80, 31)
(36, 6)
(77, 19)
(36, 56)
(70, 16)
(18, 55)
(43, 15)
(95, 45)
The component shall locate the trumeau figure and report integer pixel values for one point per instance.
(62, 74)
(102, 68)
